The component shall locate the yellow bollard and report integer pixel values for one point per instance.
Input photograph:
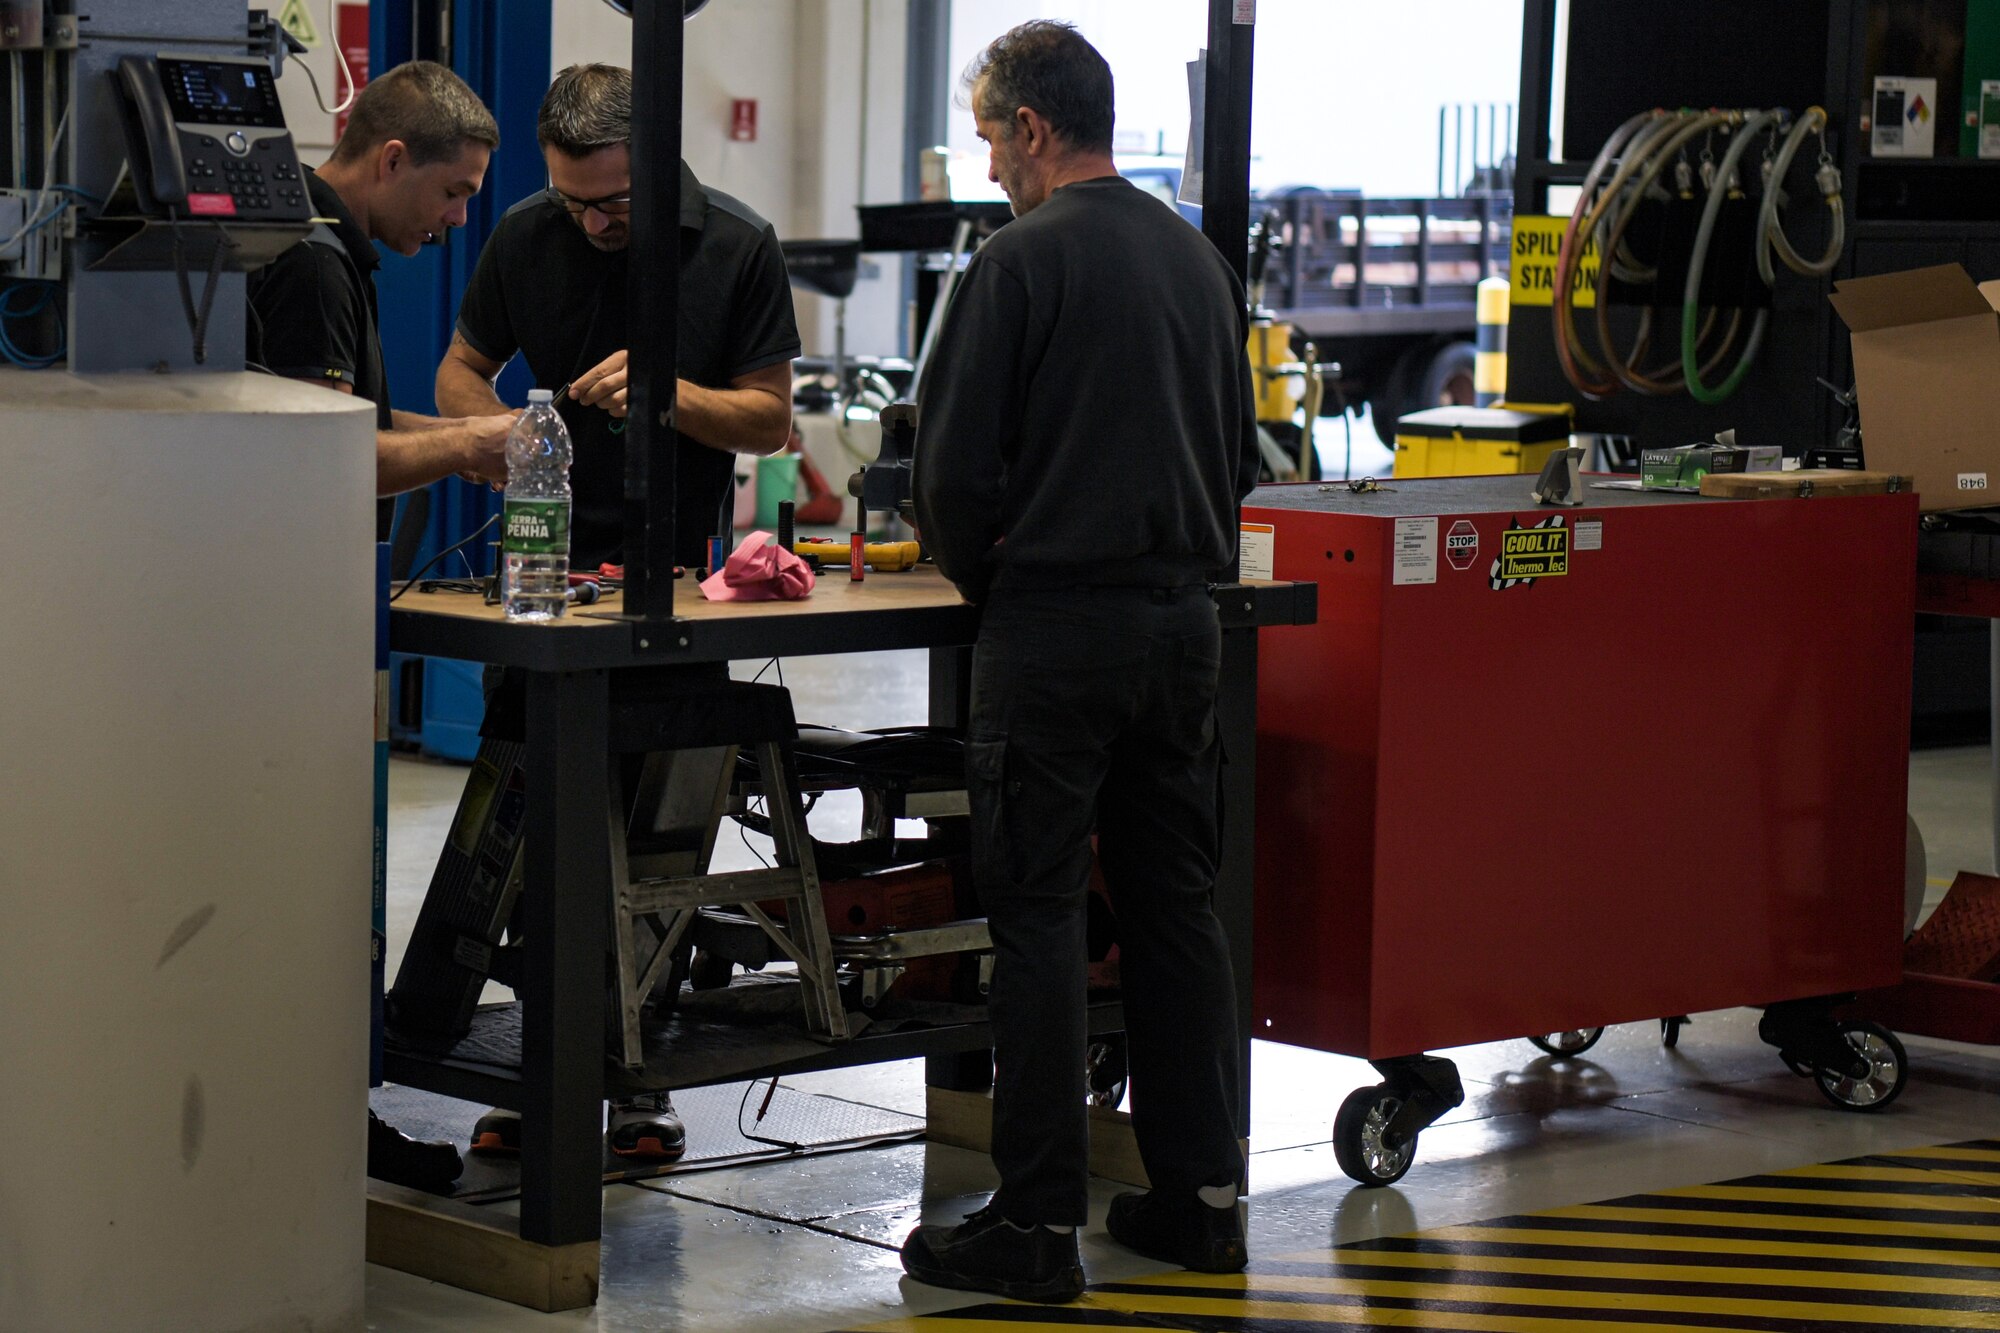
(1489, 370)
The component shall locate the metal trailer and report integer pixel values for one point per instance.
(1389, 289)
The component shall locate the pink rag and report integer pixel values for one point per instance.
(757, 572)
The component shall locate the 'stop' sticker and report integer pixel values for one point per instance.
(1461, 544)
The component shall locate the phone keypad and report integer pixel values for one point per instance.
(265, 180)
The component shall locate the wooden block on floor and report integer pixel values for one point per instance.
(476, 1249)
(965, 1120)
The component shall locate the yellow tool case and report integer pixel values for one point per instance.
(1477, 441)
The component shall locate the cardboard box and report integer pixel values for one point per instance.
(1927, 368)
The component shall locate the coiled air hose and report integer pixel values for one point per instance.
(1665, 378)
(1578, 366)
(1628, 171)
(1718, 190)
(1771, 230)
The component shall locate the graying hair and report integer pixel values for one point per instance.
(427, 107)
(1045, 65)
(588, 107)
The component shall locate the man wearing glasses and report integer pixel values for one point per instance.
(552, 286)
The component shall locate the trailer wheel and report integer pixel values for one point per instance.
(1358, 1137)
(1888, 1068)
(1574, 1042)
(1423, 377)
(1447, 381)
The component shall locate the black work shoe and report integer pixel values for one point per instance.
(498, 1134)
(986, 1252)
(401, 1160)
(647, 1128)
(1180, 1229)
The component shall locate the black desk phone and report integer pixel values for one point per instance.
(207, 139)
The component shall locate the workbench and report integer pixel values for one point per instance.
(546, 1056)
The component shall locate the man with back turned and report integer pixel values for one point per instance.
(1087, 507)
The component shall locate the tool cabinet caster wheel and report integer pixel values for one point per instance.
(1358, 1137)
(1670, 1030)
(1574, 1042)
(1888, 1067)
(1106, 1071)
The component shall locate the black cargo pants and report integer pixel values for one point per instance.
(1094, 708)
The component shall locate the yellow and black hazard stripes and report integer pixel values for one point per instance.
(1901, 1241)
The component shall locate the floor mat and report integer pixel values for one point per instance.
(727, 1124)
(1894, 1241)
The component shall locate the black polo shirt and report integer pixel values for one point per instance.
(542, 290)
(313, 313)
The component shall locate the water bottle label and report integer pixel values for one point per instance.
(536, 527)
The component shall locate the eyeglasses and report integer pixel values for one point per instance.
(612, 205)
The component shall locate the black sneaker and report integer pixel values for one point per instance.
(647, 1128)
(1180, 1229)
(986, 1252)
(396, 1157)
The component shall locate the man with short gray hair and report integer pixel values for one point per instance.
(1087, 509)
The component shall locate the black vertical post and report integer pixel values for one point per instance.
(567, 884)
(1225, 139)
(1533, 151)
(926, 86)
(654, 334)
(1225, 220)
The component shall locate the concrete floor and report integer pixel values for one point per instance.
(810, 1244)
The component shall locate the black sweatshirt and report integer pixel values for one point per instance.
(1087, 414)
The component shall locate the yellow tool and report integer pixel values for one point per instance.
(882, 557)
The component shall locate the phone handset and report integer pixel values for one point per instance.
(163, 175)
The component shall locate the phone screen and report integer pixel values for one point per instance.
(221, 92)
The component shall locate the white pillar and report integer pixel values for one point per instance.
(186, 703)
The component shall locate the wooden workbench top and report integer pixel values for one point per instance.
(914, 609)
(834, 593)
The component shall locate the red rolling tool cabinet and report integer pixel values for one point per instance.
(1542, 769)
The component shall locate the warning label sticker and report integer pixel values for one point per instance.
(1590, 535)
(1257, 551)
(1540, 551)
(1461, 544)
(1415, 554)
(1531, 270)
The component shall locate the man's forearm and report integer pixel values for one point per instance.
(736, 421)
(402, 420)
(464, 392)
(407, 459)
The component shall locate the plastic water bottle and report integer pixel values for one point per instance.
(534, 544)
